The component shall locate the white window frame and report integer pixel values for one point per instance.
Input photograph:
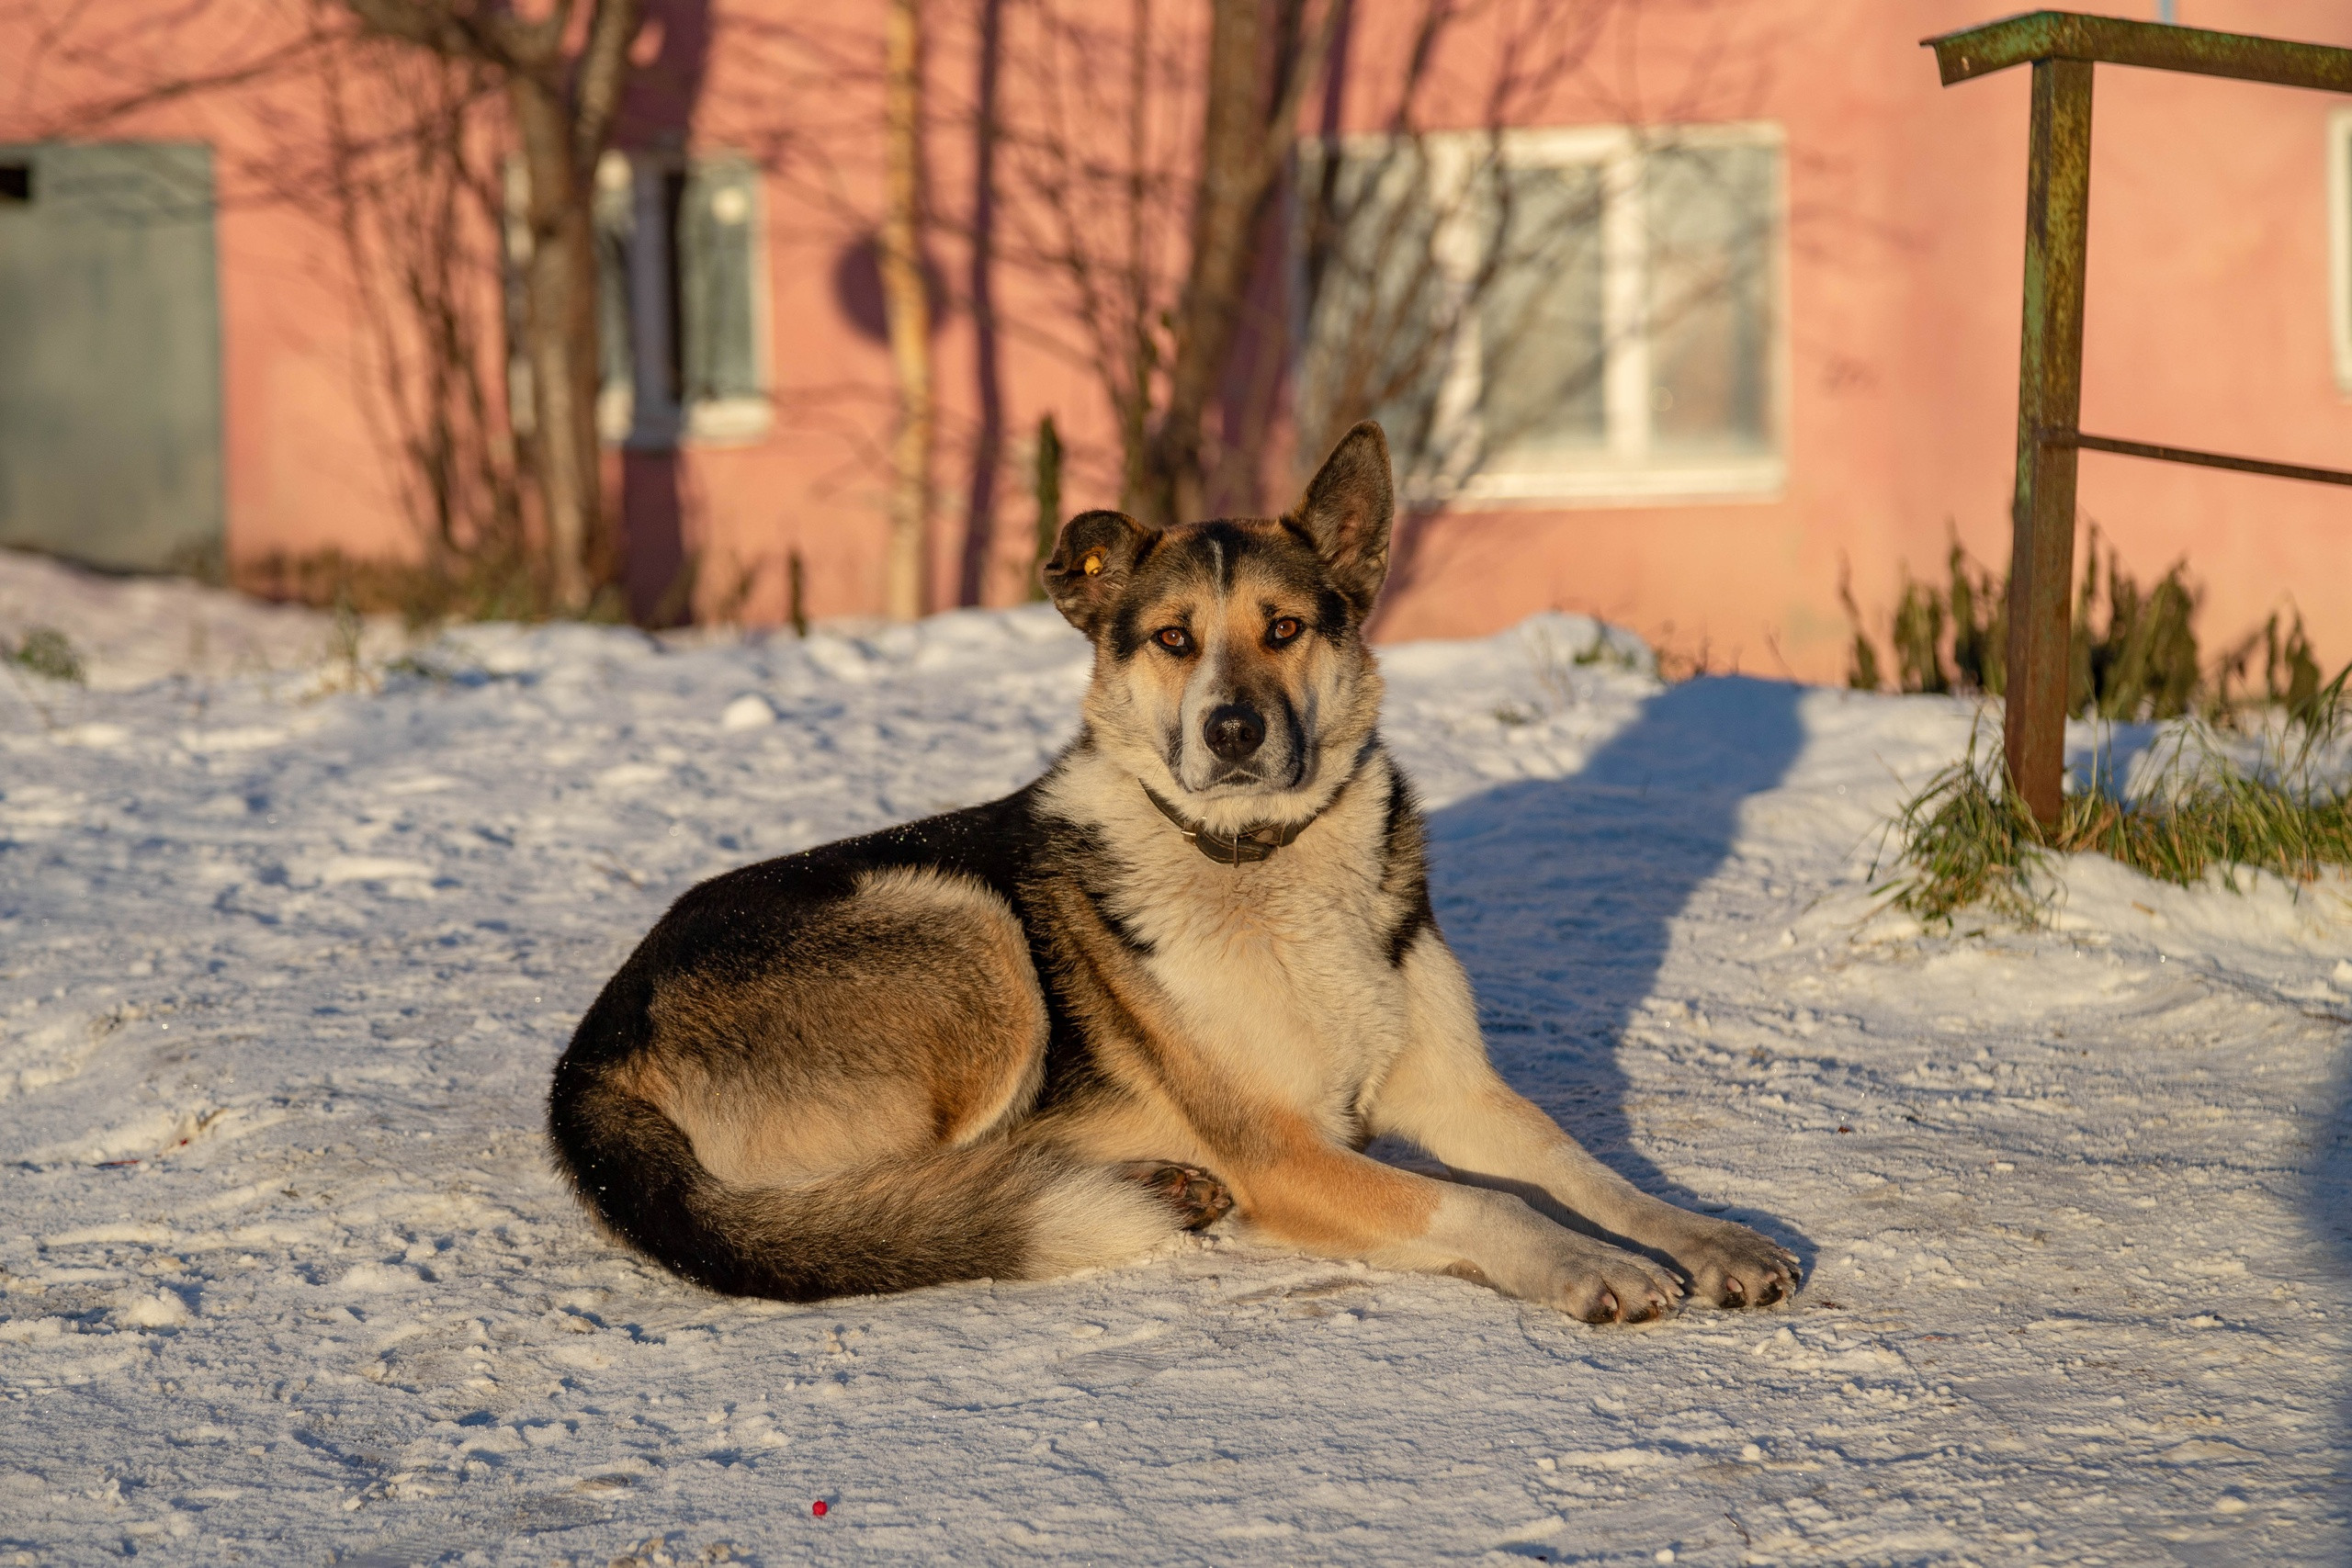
(727, 421)
(2339, 244)
(1624, 471)
(642, 415)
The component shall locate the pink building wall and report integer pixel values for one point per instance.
(2208, 326)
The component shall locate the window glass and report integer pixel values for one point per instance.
(694, 263)
(1708, 211)
(1377, 343)
(715, 255)
(1582, 312)
(1540, 324)
(615, 218)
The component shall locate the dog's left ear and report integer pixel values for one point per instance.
(1349, 507)
(1092, 560)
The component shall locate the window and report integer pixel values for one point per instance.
(2339, 243)
(1580, 316)
(681, 299)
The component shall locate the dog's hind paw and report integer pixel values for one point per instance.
(1199, 1198)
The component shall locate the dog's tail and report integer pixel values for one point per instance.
(991, 1210)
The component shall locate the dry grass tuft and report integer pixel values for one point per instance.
(1966, 840)
(2133, 652)
(482, 586)
(46, 652)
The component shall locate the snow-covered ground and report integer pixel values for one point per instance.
(284, 961)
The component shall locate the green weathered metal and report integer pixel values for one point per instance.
(2196, 458)
(2153, 46)
(2050, 397)
(2062, 47)
(110, 420)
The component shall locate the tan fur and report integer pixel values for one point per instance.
(946, 1027)
(1090, 1217)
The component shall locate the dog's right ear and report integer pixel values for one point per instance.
(1348, 508)
(1092, 562)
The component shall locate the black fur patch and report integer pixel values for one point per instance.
(1333, 617)
(1404, 873)
(1095, 868)
(1127, 634)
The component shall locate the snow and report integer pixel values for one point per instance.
(290, 934)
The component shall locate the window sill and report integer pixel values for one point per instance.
(1733, 479)
(722, 422)
(729, 420)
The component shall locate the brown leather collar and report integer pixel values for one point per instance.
(1248, 846)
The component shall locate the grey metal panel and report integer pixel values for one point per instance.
(110, 355)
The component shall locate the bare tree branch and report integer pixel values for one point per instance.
(604, 70)
(278, 63)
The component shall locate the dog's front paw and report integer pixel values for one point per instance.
(1730, 1266)
(1600, 1283)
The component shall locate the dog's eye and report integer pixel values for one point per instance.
(1284, 629)
(1175, 640)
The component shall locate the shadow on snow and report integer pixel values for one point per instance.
(2327, 1197)
(1560, 895)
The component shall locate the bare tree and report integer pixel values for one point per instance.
(410, 163)
(988, 356)
(1256, 84)
(1294, 214)
(562, 100)
(1151, 232)
(904, 292)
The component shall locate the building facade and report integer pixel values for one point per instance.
(1758, 334)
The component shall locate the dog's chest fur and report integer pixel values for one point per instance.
(1279, 973)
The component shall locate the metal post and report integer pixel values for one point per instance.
(2050, 400)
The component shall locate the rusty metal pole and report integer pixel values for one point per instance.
(2062, 45)
(2050, 401)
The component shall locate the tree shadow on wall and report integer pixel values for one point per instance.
(1561, 895)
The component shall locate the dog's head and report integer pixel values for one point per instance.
(1230, 663)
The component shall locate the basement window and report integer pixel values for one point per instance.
(16, 184)
(1575, 316)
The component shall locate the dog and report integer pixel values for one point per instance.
(1191, 970)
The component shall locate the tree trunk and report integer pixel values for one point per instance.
(559, 337)
(907, 308)
(988, 440)
(1233, 181)
(1245, 134)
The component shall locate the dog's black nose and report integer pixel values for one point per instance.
(1235, 730)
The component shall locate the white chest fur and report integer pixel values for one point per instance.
(1277, 972)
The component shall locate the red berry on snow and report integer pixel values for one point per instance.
(818, 1507)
